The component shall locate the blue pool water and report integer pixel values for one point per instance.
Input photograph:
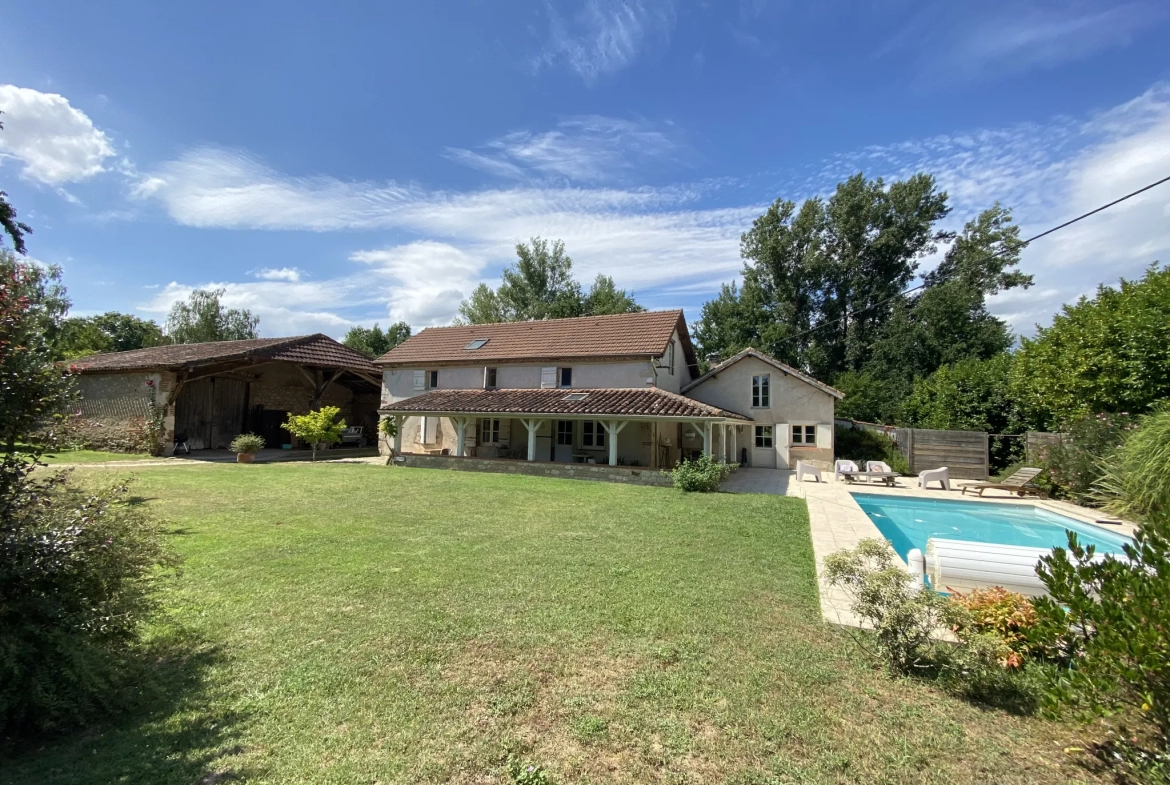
(909, 522)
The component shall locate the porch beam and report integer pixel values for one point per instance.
(532, 426)
(460, 425)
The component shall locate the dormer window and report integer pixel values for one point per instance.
(476, 344)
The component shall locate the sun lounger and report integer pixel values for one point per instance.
(941, 476)
(1021, 482)
(845, 469)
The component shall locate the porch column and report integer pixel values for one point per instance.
(399, 423)
(735, 444)
(532, 426)
(705, 429)
(612, 429)
(728, 451)
(460, 424)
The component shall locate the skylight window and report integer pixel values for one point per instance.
(576, 396)
(476, 344)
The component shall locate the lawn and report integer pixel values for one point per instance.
(91, 456)
(362, 624)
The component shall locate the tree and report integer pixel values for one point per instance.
(372, 342)
(110, 332)
(203, 318)
(316, 428)
(33, 391)
(1104, 354)
(832, 268)
(540, 285)
(15, 229)
(970, 395)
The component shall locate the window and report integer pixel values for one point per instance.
(565, 432)
(489, 378)
(420, 380)
(566, 377)
(763, 435)
(548, 377)
(476, 344)
(592, 434)
(576, 396)
(489, 431)
(432, 379)
(761, 391)
(805, 435)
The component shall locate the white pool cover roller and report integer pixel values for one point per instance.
(959, 565)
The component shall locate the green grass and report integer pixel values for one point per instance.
(360, 624)
(92, 456)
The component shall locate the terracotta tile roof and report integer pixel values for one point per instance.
(599, 402)
(770, 360)
(318, 350)
(645, 334)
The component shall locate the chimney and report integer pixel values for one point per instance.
(714, 358)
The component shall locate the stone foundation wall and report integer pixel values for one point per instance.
(571, 471)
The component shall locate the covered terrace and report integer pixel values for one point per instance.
(640, 426)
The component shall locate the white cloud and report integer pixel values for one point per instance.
(587, 149)
(424, 281)
(291, 274)
(56, 142)
(606, 35)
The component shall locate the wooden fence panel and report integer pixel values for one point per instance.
(963, 452)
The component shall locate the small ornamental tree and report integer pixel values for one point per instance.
(316, 428)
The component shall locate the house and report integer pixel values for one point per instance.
(622, 390)
(210, 393)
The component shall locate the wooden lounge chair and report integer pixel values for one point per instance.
(1020, 483)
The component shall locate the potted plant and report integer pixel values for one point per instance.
(245, 446)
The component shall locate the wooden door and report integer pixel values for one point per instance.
(210, 412)
(229, 404)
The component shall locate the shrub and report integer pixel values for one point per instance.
(247, 443)
(904, 615)
(1074, 464)
(316, 428)
(861, 445)
(1006, 616)
(76, 572)
(1112, 618)
(703, 475)
(1135, 479)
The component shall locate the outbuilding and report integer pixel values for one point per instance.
(209, 393)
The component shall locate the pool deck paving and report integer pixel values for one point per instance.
(836, 521)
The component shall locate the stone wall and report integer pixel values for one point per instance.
(282, 387)
(570, 471)
(113, 409)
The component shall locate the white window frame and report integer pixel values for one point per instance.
(489, 430)
(804, 434)
(593, 434)
(762, 391)
(490, 378)
(764, 433)
(561, 434)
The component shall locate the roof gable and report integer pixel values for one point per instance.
(317, 349)
(643, 334)
(770, 360)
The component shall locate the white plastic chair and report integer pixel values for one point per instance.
(941, 476)
(807, 470)
(843, 467)
(878, 466)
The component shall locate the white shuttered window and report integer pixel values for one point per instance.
(420, 380)
(548, 377)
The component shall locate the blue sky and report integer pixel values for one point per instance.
(339, 164)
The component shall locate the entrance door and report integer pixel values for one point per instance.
(210, 412)
(563, 452)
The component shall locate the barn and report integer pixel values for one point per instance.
(210, 393)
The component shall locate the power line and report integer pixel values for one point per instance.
(988, 258)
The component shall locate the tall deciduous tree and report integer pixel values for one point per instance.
(1104, 354)
(109, 332)
(540, 285)
(371, 341)
(16, 230)
(203, 318)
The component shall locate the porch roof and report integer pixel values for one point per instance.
(633, 403)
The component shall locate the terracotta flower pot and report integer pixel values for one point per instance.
(245, 457)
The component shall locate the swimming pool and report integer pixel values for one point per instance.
(908, 522)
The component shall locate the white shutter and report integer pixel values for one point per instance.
(420, 380)
(432, 430)
(824, 435)
(548, 377)
(421, 436)
(505, 436)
